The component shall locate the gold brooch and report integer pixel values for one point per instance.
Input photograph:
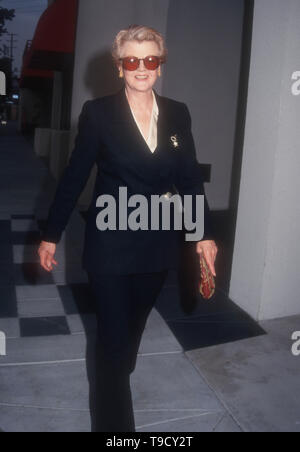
(174, 140)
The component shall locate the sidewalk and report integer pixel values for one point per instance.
(180, 384)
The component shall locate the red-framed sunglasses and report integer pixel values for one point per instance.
(151, 62)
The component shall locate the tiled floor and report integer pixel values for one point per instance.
(30, 295)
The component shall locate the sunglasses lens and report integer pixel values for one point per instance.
(151, 63)
(130, 64)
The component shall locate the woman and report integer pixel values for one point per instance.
(141, 141)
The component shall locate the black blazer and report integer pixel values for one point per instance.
(108, 136)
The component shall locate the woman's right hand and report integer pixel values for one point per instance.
(46, 252)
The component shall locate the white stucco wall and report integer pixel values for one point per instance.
(266, 263)
(205, 38)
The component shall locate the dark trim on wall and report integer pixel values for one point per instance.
(241, 113)
(242, 103)
(67, 125)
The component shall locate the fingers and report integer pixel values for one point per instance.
(46, 261)
(209, 251)
(49, 261)
(210, 259)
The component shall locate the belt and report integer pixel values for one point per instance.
(167, 195)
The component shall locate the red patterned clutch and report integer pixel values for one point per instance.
(194, 277)
(207, 284)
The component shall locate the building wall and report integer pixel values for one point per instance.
(265, 273)
(204, 38)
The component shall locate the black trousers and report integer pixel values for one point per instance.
(123, 304)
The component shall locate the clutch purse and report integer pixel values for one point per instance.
(207, 285)
(194, 277)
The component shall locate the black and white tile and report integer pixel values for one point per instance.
(34, 302)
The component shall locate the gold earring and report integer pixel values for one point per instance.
(159, 71)
(121, 75)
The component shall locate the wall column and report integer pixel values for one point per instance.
(265, 272)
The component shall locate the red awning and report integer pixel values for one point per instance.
(56, 29)
(54, 38)
(33, 78)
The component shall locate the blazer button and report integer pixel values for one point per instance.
(168, 195)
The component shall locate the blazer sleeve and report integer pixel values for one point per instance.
(190, 176)
(74, 177)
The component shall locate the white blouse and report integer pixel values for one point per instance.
(152, 138)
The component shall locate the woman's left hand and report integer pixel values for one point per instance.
(209, 250)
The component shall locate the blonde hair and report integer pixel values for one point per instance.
(138, 33)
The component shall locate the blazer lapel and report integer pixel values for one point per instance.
(164, 124)
(134, 138)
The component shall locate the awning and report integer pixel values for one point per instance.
(35, 78)
(32, 78)
(54, 39)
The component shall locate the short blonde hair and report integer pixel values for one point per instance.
(138, 33)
